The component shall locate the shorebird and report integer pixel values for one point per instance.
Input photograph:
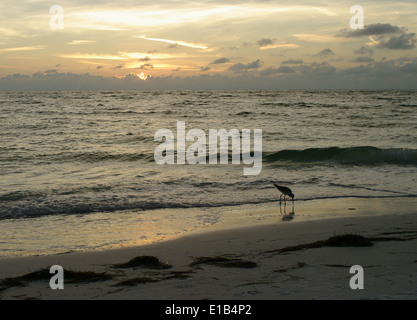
(284, 192)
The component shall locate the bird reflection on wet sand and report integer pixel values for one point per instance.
(287, 216)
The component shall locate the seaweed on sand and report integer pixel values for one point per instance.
(148, 262)
(44, 275)
(346, 240)
(135, 281)
(224, 262)
(159, 277)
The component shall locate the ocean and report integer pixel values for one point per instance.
(77, 168)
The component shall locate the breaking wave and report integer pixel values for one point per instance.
(355, 155)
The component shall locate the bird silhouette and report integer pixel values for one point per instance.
(284, 192)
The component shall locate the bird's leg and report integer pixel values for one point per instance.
(280, 199)
(292, 207)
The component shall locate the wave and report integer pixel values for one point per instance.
(84, 205)
(346, 156)
(35, 209)
(82, 157)
(355, 155)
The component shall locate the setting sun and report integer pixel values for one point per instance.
(143, 76)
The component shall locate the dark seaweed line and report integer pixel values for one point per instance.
(347, 240)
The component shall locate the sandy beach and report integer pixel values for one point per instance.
(271, 260)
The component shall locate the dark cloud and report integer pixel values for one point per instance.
(365, 50)
(388, 74)
(240, 67)
(265, 42)
(398, 38)
(55, 81)
(118, 67)
(370, 30)
(204, 68)
(324, 53)
(147, 58)
(220, 60)
(99, 67)
(403, 42)
(363, 59)
(274, 71)
(308, 70)
(317, 69)
(16, 76)
(145, 66)
(269, 72)
(255, 64)
(246, 44)
(410, 67)
(285, 69)
(51, 71)
(291, 61)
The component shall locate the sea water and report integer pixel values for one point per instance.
(77, 168)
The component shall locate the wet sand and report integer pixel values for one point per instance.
(251, 263)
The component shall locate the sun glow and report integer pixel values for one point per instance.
(141, 76)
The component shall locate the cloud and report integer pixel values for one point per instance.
(402, 42)
(388, 74)
(240, 67)
(273, 71)
(311, 37)
(134, 77)
(174, 43)
(324, 53)
(363, 59)
(152, 15)
(204, 68)
(265, 42)
(22, 49)
(391, 72)
(145, 66)
(92, 56)
(370, 30)
(292, 61)
(410, 67)
(80, 42)
(285, 69)
(49, 71)
(365, 50)
(317, 69)
(398, 39)
(220, 60)
(98, 27)
(281, 45)
(124, 56)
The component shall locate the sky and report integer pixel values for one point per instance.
(230, 44)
